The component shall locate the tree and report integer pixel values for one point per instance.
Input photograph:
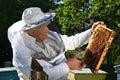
(71, 15)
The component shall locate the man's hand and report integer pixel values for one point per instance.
(75, 64)
(96, 24)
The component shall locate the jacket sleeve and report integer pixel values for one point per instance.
(21, 56)
(77, 40)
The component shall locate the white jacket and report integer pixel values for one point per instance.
(24, 47)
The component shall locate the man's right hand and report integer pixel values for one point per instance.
(75, 64)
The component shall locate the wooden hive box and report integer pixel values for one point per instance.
(86, 74)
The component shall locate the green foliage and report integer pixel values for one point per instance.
(70, 15)
(77, 53)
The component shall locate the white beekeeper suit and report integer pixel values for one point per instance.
(50, 56)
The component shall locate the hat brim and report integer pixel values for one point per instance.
(43, 22)
(37, 27)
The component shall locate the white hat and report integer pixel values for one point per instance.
(34, 17)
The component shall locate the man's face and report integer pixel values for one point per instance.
(40, 34)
